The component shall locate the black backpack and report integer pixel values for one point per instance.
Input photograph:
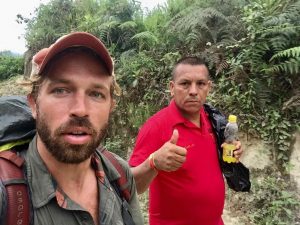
(237, 175)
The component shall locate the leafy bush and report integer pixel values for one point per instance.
(272, 200)
(262, 83)
(115, 145)
(10, 66)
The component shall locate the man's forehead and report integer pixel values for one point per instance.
(185, 70)
(76, 59)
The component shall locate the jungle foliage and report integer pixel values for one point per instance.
(10, 65)
(252, 47)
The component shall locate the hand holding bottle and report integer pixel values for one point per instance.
(232, 147)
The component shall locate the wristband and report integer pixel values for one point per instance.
(151, 162)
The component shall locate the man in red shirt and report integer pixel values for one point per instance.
(176, 154)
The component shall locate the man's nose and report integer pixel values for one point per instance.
(193, 89)
(79, 107)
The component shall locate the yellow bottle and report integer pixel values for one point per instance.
(230, 134)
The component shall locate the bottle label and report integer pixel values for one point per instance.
(228, 153)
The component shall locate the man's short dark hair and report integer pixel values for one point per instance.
(189, 60)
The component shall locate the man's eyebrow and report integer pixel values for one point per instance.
(58, 81)
(68, 81)
(100, 86)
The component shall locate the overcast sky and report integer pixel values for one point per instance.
(12, 33)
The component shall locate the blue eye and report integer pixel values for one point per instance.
(60, 91)
(98, 95)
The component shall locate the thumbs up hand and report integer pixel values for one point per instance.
(170, 156)
(174, 137)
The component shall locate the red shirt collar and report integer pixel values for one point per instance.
(175, 117)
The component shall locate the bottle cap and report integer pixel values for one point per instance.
(232, 118)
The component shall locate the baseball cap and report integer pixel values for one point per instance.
(74, 39)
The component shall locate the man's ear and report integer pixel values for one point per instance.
(171, 87)
(210, 85)
(32, 103)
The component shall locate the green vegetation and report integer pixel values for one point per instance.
(271, 201)
(10, 65)
(252, 47)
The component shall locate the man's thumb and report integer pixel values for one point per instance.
(174, 137)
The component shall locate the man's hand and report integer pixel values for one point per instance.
(170, 156)
(239, 151)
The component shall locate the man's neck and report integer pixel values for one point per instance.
(193, 118)
(77, 181)
(65, 174)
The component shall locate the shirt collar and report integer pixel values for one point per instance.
(175, 115)
(42, 184)
(176, 118)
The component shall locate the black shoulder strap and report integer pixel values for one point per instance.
(17, 196)
(218, 121)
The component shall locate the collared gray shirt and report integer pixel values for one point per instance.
(51, 206)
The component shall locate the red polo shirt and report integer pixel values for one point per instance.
(194, 194)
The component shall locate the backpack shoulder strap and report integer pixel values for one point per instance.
(122, 182)
(218, 122)
(17, 196)
(120, 186)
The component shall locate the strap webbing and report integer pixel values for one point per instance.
(122, 181)
(12, 177)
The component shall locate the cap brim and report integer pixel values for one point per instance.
(79, 39)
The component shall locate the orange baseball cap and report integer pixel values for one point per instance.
(41, 59)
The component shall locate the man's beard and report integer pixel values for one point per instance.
(63, 151)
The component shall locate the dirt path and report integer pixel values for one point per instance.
(228, 219)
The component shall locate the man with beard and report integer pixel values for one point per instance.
(176, 154)
(72, 97)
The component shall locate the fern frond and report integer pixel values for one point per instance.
(293, 12)
(193, 37)
(192, 18)
(263, 92)
(128, 25)
(109, 25)
(103, 32)
(280, 29)
(105, 28)
(127, 54)
(279, 43)
(289, 53)
(221, 66)
(146, 36)
(293, 102)
(180, 15)
(211, 12)
(290, 66)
